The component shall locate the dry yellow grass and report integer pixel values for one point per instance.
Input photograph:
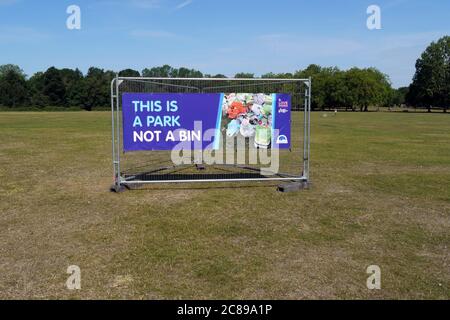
(380, 196)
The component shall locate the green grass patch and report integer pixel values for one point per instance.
(380, 196)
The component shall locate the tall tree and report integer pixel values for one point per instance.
(70, 76)
(164, 71)
(129, 73)
(72, 80)
(242, 75)
(13, 88)
(366, 87)
(321, 78)
(36, 90)
(11, 67)
(95, 90)
(277, 75)
(431, 82)
(336, 91)
(167, 71)
(54, 87)
(186, 73)
(399, 96)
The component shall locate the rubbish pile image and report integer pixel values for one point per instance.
(249, 115)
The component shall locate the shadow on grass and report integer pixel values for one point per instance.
(198, 187)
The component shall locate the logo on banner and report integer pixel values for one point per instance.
(282, 139)
(283, 104)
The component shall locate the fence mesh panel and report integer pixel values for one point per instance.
(157, 165)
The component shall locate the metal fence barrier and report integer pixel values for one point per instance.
(150, 167)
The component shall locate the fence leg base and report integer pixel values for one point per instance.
(293, 186)
(200, 167)
(117, 188)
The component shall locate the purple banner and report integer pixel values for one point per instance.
(165, 121)
(160, 121)
(282, 121)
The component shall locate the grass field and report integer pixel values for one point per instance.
(381, 195)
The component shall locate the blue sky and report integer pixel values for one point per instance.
(221, 36)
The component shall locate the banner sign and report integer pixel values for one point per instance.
(162, 121)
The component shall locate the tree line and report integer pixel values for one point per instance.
(352, 89)
(333, 88)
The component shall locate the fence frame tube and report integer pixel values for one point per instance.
(119, 181)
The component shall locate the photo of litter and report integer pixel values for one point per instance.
(248, 115)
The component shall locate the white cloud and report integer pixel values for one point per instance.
(140, 4)
(183, 4)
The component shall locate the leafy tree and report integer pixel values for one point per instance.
(13, 88)
(72, 80)
(70, 76)
(164, 71)
(129, 73)
(243, 75)
(94, 91)
(311, 70)
(77, 95)
(337, 91)
(399, 96)
(384, 91)
(186, 73)
(277, 75)
(332, 88)
(36, 90)
(54, 88)
(11, 67)
(431, 82)
(366, 87)
(218, 75)
(167, 71)
(321, 79)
